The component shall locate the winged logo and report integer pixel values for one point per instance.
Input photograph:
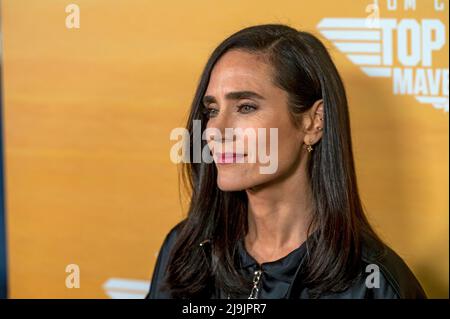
(369, 46)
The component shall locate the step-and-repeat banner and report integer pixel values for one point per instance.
(93, 88)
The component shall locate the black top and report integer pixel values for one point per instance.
(276, 276)
(282, 279)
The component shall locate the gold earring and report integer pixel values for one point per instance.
(309, 148)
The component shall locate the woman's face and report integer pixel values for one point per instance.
(241, 94)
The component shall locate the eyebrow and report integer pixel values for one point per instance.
(237, 95)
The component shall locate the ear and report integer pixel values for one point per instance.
(314, 123)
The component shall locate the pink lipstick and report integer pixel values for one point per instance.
(229, 158)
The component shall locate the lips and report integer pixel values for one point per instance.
(229, 158)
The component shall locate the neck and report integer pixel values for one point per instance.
(278, 217)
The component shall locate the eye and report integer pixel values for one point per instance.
(210, 112)
(246, 108)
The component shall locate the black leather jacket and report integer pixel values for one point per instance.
(396, 281)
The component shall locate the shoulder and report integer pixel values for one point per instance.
(162, 262)
(171, 236)
(393, 276)
(168, 243)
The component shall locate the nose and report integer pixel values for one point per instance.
(223, 124)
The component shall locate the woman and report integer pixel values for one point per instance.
(297, 232)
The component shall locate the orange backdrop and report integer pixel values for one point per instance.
(87, 117)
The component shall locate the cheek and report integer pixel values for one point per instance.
(283, 149)
(277, 158)
(289, 144)
(281, 136)
(274, 153)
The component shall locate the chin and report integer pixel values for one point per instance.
(227, 185)
(228, 182)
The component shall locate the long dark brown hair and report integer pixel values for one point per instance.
(305, 70)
